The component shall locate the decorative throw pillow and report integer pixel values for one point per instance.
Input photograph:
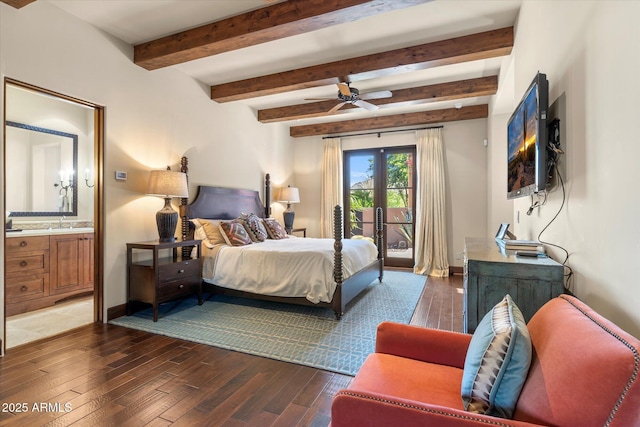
(254, 227)
(274, 229)
(497, 361)
(211, 229)
(234, 233)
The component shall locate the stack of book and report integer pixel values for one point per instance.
(521, 245)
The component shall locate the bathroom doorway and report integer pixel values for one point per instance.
(53, 198)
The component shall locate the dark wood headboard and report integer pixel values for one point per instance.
(225, 203)
(222, 203)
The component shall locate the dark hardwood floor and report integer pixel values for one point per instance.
(107, 375)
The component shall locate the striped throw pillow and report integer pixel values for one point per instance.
(497, 361)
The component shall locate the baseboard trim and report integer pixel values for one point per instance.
(116, 311)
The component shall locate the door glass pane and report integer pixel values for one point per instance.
(399, 205)
(361, 195)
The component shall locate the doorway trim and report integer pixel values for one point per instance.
(98, 202)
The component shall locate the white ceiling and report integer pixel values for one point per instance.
(137, 21)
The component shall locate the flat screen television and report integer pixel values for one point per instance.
(527, 141)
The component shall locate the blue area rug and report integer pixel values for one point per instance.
(308, 336)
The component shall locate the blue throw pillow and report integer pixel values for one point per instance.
(497, 362)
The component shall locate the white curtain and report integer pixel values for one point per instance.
(431, 229)
(331, 184)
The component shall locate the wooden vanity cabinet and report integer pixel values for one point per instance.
(42, 270)
(26, 272)
(71, 261)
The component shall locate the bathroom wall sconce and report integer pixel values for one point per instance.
(62, 186)
(64, 189)
(86, 179)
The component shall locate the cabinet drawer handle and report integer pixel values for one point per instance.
(181, 286)
(23, 263)
(24, 288)
(23, 244)
(181, 271)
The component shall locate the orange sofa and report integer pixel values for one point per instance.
(584, 372)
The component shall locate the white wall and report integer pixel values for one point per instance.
(589, 51)
(152, 119)
(465, 156)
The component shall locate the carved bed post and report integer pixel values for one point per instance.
(267, 195)
(380, 240)
(337, 260)
(184, 209)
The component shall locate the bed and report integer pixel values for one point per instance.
(306, 271)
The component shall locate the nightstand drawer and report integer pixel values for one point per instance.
(178, 288)
(179, 270)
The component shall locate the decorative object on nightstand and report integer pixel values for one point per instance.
(289, 195)
(167, 184)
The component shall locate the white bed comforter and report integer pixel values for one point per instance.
(294, 267)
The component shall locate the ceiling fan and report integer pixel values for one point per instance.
(351, 95)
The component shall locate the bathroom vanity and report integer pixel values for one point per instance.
(44, 267)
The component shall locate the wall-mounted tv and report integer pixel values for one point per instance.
(527, 141)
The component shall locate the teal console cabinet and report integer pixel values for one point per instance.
(491, 272)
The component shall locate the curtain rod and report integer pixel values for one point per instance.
(381, 132)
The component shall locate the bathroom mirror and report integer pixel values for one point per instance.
(43, 171)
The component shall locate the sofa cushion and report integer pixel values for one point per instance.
(409, 379)
(497, 361)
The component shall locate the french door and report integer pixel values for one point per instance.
(382, 177)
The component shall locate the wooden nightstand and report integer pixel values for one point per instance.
(303, 230)
(166, 276)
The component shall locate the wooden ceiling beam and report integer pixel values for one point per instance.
(392, 121)
(483, 86)
(17, 3)
(269, 23)
(489, 44)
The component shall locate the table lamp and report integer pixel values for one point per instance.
(167, 184)
(289, 195)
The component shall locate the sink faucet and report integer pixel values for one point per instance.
(60, 222)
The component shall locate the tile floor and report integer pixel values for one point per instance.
(27, 327)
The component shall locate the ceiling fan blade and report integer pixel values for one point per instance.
(376, 95)
(366, 105)
(336, 108)
(344, 89)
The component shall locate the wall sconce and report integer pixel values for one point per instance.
(64, 203)
(167, 184)
(289, 195)
(86, 179)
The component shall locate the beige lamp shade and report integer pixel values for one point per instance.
(289, 195)
(166, 183)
